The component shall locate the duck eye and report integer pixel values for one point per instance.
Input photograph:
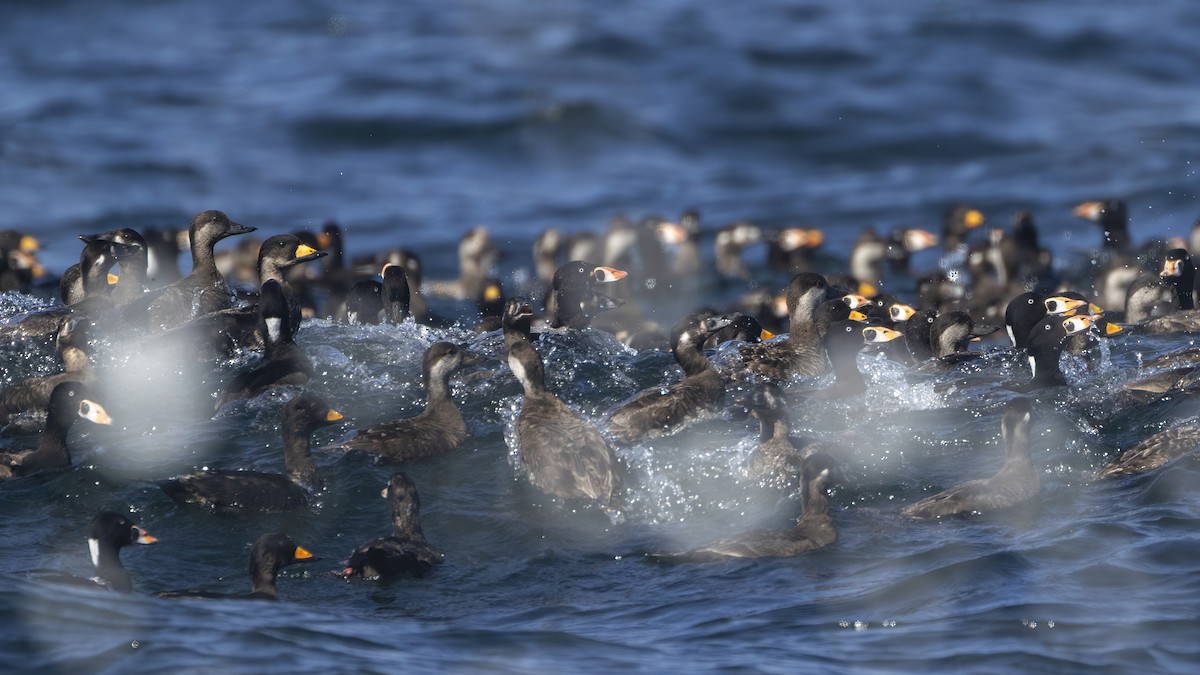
(1030, 301)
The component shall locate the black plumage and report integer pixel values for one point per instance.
(68, 402)
(406, 552)
(284, 362)
(270, 553)
(259, 490)
(575, 298)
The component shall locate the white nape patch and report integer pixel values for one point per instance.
(94, 548)
(1033, 365)
(274, 328)
(1011, 336)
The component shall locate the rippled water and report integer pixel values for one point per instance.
(410, 122)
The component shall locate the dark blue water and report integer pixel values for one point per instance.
(411, 122)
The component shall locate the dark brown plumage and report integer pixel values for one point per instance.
(800, 353)
(438, 429)
(1015, 483)
(565, 456)
(1153, 452)
(660, 411)
(813, 531)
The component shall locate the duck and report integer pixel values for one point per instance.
(68, 402)
(1153, 452)
(133, 262)
(476, 256)
(108, 533)
(517, 322)
(741, 328)
(778, 458)
(438, 429)
(730, 241)
(791, 249)
(270, 553)
(1021, 314)
(396, 294)
(918, 333)
(203, 290)
(659, 411)
(1046, 346)
(34, 393)
(949, 335)
(89, 295)
(1179, 274)
(566, 458)
(575, 298)
(162, 256)
(406, 552)
(814, 530)
(19, 264)
(842, 342)
(259, 491)
(284, 362)
(1112, 216)
(1015, 483)
(957, 221)
(800, 352)
(364, 303)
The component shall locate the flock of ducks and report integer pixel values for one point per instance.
(1005, 281)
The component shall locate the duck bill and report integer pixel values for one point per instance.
(1172, 268)
(879, 334)
(305, 253)
(716, 323)
(92, 412)
(607, 275)
(857, 316)
(1088, 210)
(973, 219)
(1112, 328)
(793, 238)
(919, 240)
(492, 293)
(901, 312)
(779, 306)
(333, 416)
(979, 330)
(301, 554)
(815, 238)
(29, 244)
(1061, 305)
(765, 334)
(144, 537)
(238, 228)
(113, 279)
(867, 291)
(1077, 324)
(671, 233)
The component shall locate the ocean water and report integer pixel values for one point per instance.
(410, 123)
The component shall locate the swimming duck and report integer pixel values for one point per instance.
(270, 553)
(957, 221)
(1046, 346)
(742, 328)
(19, 265)
(778, 458)
(1020, 316)
(34, 393)
(68, 402)
(202, 291)
(660, 411)
(476, 257)
(406, 551)
(842, 342)
(133, 262)
(438, 429)
(162, 257)
(258, 490)
(1015, 483)
(89, 295)
(800, 353)
(1152, 452)
(814, 530)
(565, 456)
(284, 362)
(364, 303)
(107, 535)
(396, 294)
(949, 335)
(730, 242)
(1178, 273)
(1112, 216)
(517, 322)
(576, 300)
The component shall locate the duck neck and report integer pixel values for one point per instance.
(133, 272)
(75, 360)
(816, 501)
(437, 388)
(297, 459)
(262, 581)
(109, 567)
(202, 254)
(690, 356)
(776, 427)
(407, 525)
